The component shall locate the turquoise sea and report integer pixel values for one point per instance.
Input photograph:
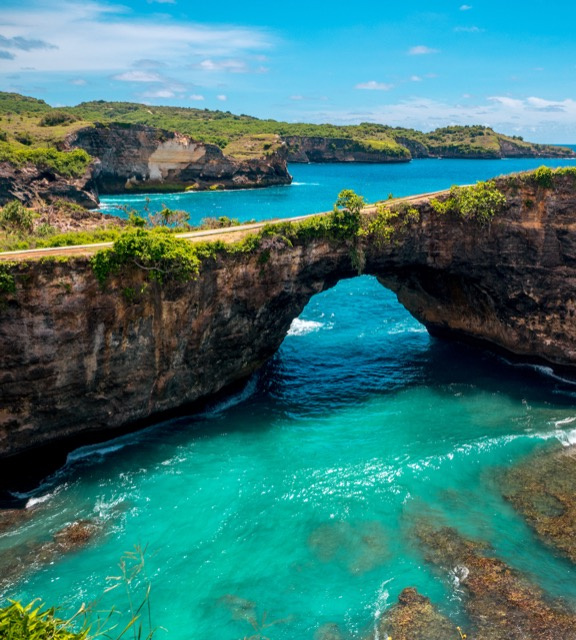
(291, 504)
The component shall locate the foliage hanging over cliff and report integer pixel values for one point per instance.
(157, 251)
(479, 202)
(71, 164)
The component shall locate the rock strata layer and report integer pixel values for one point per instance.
(142, 158)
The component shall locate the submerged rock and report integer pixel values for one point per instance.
(360, 547)
(543, 490)
(10, 518)
(500, 602)
(415, 618)
(329, 631)
(16, 561)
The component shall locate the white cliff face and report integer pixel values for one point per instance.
(138, 157)
(174, 155)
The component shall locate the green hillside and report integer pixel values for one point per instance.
(31, 122)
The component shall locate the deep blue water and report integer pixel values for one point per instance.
(295, 498)
(316, 187)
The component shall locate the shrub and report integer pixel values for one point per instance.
(7, 283)
(543, 177)
(14, 216)
(480, 202)
(24, 137)
(346, 217)
(156, 251)
(57, 117)
(170, 218)
(391, 220)
(66, 163)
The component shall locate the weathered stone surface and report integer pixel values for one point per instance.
(501, 603)
(138, 157)
(415, 618)
(543, 490)
(33, 185)
(303, 149)
(75, 359)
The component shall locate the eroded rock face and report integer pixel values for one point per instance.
(33, 185)
(75, 359)
(138, 157)
(303, 149)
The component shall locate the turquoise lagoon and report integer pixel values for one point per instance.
(293, 501)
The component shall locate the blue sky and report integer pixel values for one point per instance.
(421, 64)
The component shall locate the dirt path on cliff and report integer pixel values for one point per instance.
(226, 234)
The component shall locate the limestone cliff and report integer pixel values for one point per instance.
(75, 359)
(303, 149)
(139, 157)
(32, 184)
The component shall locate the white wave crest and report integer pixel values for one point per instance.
(100, 450)
(303, 327)
(232, 401)
(32, 502)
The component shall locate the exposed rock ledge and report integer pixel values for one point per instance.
(34, 185)
(75, 359)
(141, 158)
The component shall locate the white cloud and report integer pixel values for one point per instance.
(374, 86)
(161, 1)
(415, 79)
(78, 82)
(196, 97)
(160, 93)
(296, 98)
(468, 30)
(222, 97)
(138, 76)
(535, 118)
(465, 7)
(90, 36)
(421, 50)
(233, 66)
(149, 64)
(511, 103)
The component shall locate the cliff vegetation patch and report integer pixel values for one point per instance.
(71, 164)
(479, 202)
(157, 251)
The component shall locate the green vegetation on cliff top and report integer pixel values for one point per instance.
(24, 120)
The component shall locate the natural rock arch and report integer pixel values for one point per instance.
(76, 360)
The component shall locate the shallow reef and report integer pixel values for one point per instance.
(414, 617)
(543, 490)
(500, 602)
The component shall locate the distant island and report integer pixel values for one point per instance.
(135, 147)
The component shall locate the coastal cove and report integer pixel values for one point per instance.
(315, 187)
(294, 502)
